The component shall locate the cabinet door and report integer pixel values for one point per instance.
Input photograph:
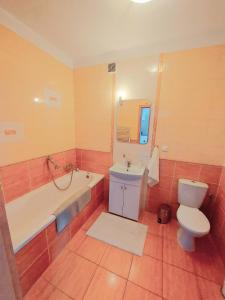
(131, 202)
(116, 197)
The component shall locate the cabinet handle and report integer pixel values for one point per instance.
(125, 187)
(121, 187)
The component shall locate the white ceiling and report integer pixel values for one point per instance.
(95, 31)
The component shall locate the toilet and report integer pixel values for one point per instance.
(193, 223)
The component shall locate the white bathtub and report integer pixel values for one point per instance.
(31, 213)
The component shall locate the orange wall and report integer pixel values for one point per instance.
(94, 98)
(191, 118)
(191, 97)
(25, 72)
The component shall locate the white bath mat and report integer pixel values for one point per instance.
(120, 232)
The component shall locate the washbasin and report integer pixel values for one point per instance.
(132, 172)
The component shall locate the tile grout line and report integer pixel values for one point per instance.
(191, 272)
(56, 285)
(178, 267)
(128, 277)
(98, 265)
(35, 260)
(172, 183)
(91, 279)
(149, 291)
(56, 288)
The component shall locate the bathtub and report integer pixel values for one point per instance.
(29, 214)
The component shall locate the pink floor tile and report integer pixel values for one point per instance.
(92, 249)
(106, 286)
(117, 261)
(170, 229)
(209, 266)
(57, 295)
(90, 221)
(147, 273)
(40, 290)
(209, 290)
(59, 267)
(207, 261)
(153, 246)
(134, 292)
(76, 241)
(175, 255)
(179, 284)
(150, 220)
(77, 278)
(74, 274)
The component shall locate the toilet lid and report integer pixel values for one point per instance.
(193, 219)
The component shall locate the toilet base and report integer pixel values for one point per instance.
(185, 240)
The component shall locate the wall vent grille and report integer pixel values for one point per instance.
(112, 67)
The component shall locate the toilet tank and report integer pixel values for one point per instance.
(191, 193)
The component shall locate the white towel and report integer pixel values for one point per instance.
(153, 167)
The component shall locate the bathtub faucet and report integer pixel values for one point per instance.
(49, 159)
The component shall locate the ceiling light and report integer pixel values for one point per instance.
(141, 1)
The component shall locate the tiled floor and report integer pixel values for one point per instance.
(90, 269)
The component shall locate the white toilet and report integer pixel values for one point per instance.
(193, 223)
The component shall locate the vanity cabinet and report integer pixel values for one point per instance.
(124, 197)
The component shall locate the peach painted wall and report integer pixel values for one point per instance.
(26, 71)
(94, 98)
(191, 119)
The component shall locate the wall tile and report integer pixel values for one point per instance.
(70, 156)
(104, 157)
(187, 170)
(167, 167)
(34, 272)
(29, 253)
(210, 174)
(94, 161)
(39, 174)
(20, 178)
(59, 243)
(165, 182)
(222, 178)
(15, 179)
(159, 195)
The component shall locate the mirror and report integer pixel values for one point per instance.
(133, 121)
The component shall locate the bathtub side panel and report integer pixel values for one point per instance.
(34, 258)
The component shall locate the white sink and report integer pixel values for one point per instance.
(128, 173)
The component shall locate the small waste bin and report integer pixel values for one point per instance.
(164, 214)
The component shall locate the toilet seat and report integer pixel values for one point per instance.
(193, 219)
